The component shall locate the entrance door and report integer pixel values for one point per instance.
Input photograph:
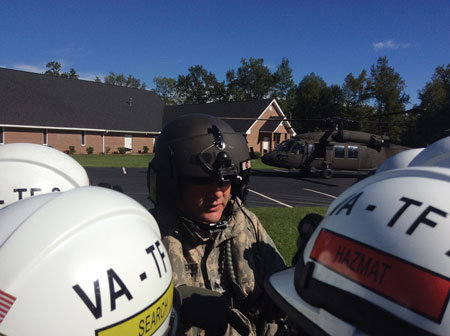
(128, 142)
(265, 145)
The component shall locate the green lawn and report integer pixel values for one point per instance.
(131, 161)
(114, 160)
(280, 223)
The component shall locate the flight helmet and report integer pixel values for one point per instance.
(88, 261)
(198, 146)
(379, 262)
(30, 169)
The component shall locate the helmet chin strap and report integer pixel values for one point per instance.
(211, 228)
(217, 227)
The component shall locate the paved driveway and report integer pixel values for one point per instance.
(268, 188)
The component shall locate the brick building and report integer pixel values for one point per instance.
(62, 112)
(258, 120)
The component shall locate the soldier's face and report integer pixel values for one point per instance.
(204, 201)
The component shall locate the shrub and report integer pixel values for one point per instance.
(71, 150)
(107, 149)
(255, 155)
(122, 150)
(90, 150)
(145, 149)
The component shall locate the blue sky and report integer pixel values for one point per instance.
(148, 39)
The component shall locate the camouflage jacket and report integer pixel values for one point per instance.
(234, 262)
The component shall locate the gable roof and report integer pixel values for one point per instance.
(251, 110)
(271, 125)
(36, 100)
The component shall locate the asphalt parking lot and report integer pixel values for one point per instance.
(267, 188)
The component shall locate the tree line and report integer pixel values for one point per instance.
(373, 101)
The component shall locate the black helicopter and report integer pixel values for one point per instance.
(332, 150)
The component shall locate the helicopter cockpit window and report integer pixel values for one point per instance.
(339, 152)
(352, 152)
(284, 146)
(298, 148)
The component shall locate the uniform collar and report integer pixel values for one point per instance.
(201, 233)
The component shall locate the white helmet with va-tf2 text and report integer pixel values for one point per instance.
(31, 169)
(379, 261)
(88, 261)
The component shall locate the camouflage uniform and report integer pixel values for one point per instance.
(234, 262)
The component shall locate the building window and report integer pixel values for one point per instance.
(2, 135)
(45, 134)
(352, 152)
(277, 138)
(339, 152)
(83, 138)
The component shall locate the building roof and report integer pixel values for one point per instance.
(230, 112)
(271, 125)
(30, 99)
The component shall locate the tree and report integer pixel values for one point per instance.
(252, 80)
(199, 87)
(54, 69)
(387, 87)
(70, 74)
(166, 88)
(312, 97)
(355, 92)
(434, 119)
(121, 80)
(333, 101)
(284, 87)
(355, 100)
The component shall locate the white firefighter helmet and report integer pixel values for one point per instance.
(88, 261)
(379, 261)
(399, 160)
(31, 169)
(436, 155)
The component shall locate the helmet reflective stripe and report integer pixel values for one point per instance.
(91, 258)
(30, 169)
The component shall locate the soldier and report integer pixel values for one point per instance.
(220, 252)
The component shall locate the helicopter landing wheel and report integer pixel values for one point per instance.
(327, 173)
